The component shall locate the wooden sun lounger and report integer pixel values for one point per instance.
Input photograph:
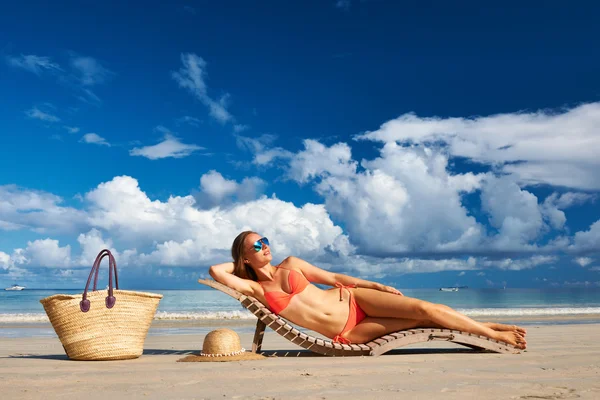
(374, 348)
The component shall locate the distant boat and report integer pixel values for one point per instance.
(448, 289)
(15, 287)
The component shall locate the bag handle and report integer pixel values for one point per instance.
(84, 304)
(112, 263)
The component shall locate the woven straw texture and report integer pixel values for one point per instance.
(222, 345)
(116, 333)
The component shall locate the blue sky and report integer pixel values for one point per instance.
(421, 146)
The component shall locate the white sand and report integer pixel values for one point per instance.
(562, 362)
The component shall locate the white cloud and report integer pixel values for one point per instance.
(36, 113)
(570, 199)
(94, 138)
(237, 128)
(89, 71)
(87, 96)
(33, 63)
(46, 253)
(72, 129)
(91, 244)
(555, 203)
(520, 264)
(176, 232)
(5, 261)
(182, 234)
(169, 147)
(320, 161)
(390, 266)
(192, 76)
(218, 191)
(163, 129)
(85, 73)
(558, 149)
(583, 261)
(36, 210)
(403, 202)
(513, 212)
(407, 201)
(587, 240)
(260, 148)
(193, 121)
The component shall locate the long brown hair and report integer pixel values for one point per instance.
(240, 268)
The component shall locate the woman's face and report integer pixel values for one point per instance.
(256, 258)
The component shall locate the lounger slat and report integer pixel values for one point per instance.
(376, 347)
(298, 340)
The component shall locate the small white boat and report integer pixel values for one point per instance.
(15, 287)
(448, 289)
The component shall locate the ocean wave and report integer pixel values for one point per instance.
(24, 317)
(166, 315)
(246, 315)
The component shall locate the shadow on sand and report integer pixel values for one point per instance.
(266, 353)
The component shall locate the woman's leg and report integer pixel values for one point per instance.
(372, 327)
(386, 305)
(498, 327)
(502, 327)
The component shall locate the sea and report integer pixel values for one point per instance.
(200, 311)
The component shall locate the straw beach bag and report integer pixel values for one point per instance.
(102, 324)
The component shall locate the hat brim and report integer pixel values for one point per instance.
(245, 356)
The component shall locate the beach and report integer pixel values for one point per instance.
(561, 362)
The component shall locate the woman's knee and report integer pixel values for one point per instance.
(426, 310)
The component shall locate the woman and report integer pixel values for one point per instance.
(356, 311)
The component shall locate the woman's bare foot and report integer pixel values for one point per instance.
(512, 337)
(503, 328)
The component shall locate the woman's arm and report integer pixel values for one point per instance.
(223, 273)
(318, 275)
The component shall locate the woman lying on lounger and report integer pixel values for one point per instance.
(356, 311)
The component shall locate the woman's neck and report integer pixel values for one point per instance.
(265, 273)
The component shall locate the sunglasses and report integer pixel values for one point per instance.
(259, 244)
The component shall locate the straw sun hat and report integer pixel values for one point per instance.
(222, 345)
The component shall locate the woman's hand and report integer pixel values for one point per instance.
(389, 289)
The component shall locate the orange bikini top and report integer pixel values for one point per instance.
(278, 300)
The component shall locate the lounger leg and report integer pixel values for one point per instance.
(258, 336)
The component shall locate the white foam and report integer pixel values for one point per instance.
(246, 315)
(164, 315)
(24, 317)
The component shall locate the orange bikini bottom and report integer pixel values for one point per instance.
(355, 315)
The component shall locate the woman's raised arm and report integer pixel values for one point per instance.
(318, 275)
(223, 273)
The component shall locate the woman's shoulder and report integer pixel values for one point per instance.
(290, 262)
